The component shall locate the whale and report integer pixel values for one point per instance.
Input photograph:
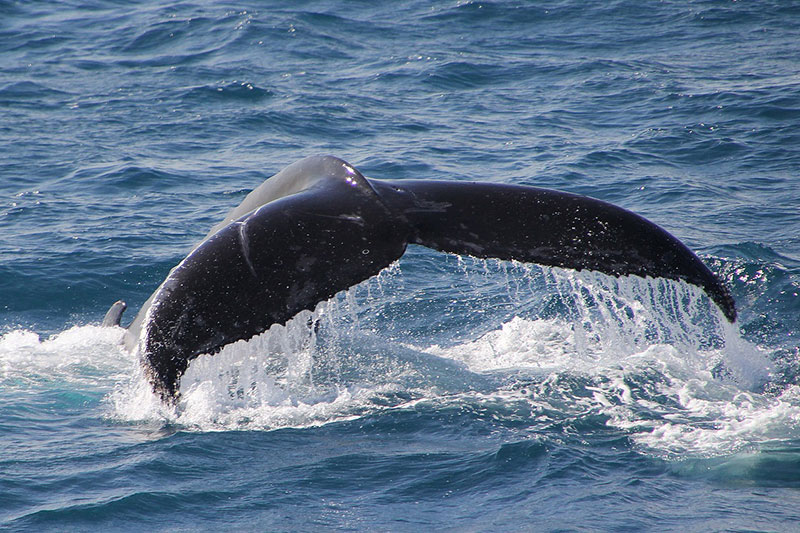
(319, 226)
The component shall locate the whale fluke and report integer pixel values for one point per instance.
(552, 228)
(319, 227)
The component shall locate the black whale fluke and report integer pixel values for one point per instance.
(319, 227)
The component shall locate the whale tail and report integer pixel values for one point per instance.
(552, 228)
(306, 240)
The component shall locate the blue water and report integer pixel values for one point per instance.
(447, 393)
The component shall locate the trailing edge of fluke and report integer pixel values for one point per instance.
(319, 226)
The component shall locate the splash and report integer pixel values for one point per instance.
(305, 373)
(602, 322)
(82, 356)
(653, 359)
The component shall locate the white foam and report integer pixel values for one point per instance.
(704, 396)
(82, 354)
(659, 362)
(545, 345)
(654, 358)
(278, 379)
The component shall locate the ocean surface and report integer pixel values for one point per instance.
(447, 393)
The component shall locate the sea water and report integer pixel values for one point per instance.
(447, 392)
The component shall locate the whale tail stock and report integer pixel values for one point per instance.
(319, 227)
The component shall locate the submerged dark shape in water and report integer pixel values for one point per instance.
(319, 226)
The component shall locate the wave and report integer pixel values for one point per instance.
(651, 359)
